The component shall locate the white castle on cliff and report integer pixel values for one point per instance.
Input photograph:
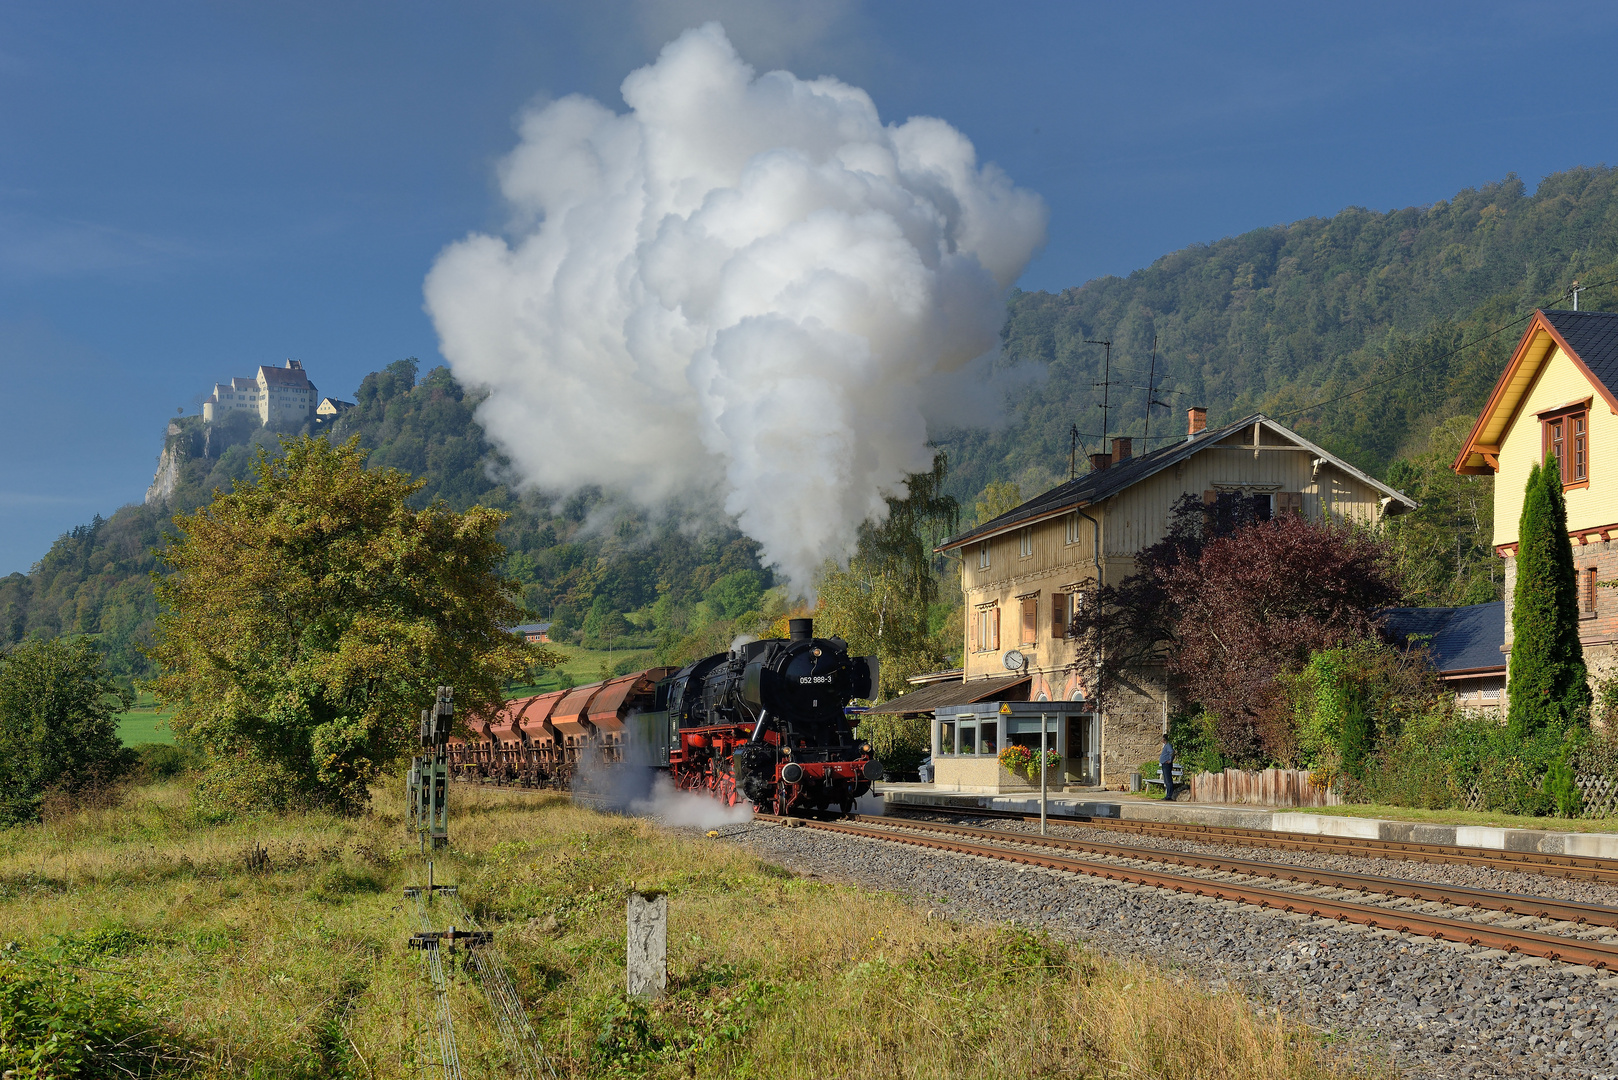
(278, 395)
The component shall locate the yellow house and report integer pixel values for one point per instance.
(1023, 573)
(1556, 398)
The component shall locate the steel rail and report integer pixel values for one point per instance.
(1581, 867)
(522, 1041)
(1541, 907)
(449, 1057)
(1527, 942)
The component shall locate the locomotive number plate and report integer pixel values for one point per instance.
(807, 680)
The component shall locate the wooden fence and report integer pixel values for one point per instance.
(1269, 787)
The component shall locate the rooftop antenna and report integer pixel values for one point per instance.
(1152, 390)
(1073, 452)
(1151, 387)
(1106, 385)
(1576, 290)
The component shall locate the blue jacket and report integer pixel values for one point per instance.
(1166, 758)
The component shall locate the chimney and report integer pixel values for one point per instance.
(1121, 449)
(1196, 419)
(1099, 462)
(800, 629)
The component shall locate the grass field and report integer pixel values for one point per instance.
(583, 666)
(275, 947)
(145, 723)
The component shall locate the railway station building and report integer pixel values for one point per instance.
(1024, 573)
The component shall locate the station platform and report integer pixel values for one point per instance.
(1121, 806)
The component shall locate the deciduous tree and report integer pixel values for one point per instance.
(309, 616)
(1258, 602)
(58, 724)
(880, 603)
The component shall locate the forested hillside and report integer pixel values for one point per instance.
(1280, 319)
(1347, 328)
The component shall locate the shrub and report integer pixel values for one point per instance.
(161, 761)
(52, 1026)
(1441, 758)
(1196, 742)
(1348, 701)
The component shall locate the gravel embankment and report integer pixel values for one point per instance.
(1444, 1011)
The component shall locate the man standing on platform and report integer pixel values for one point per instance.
(1165, 762)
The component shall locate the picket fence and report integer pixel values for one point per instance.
(1267, 787)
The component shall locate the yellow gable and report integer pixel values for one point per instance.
(1546, 401)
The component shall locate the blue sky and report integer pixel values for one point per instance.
(190, 190)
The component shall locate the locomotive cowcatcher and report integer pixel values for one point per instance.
(763, 724)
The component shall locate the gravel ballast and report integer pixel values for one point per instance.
(1442, 1010)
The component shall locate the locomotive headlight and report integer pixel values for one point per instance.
(786, 752)
(865, 748)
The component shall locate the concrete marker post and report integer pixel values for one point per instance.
(648, 961)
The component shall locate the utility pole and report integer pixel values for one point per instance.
(1576, 290)
(1106, 385)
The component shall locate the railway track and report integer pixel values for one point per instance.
(1539, 907)
(1580, 867)
(1059, 854)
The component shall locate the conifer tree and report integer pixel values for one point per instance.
(1547, 679)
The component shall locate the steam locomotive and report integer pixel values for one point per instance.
(764, 723)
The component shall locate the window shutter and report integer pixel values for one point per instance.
(1289, 502)
(1059, 616)
(1030, 619)
(972, 638)
(994, 629)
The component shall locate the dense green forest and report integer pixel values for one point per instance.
(1350, 329)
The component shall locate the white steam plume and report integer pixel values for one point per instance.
(745, 286)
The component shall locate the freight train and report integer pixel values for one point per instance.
(764, 724)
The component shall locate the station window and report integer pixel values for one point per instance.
(1025, 543)
(1061, 614)
(1073, 528)
(983, 555)
(946, 737)
(986, 629)
(1589, 590)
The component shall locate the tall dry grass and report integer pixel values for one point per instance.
(299, 968)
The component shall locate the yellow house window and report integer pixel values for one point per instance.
(1025, 543)
(1567, 439)
(983, 555)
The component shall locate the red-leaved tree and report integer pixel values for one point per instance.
(1257, 602)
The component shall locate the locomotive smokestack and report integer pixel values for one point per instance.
(800, 629)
